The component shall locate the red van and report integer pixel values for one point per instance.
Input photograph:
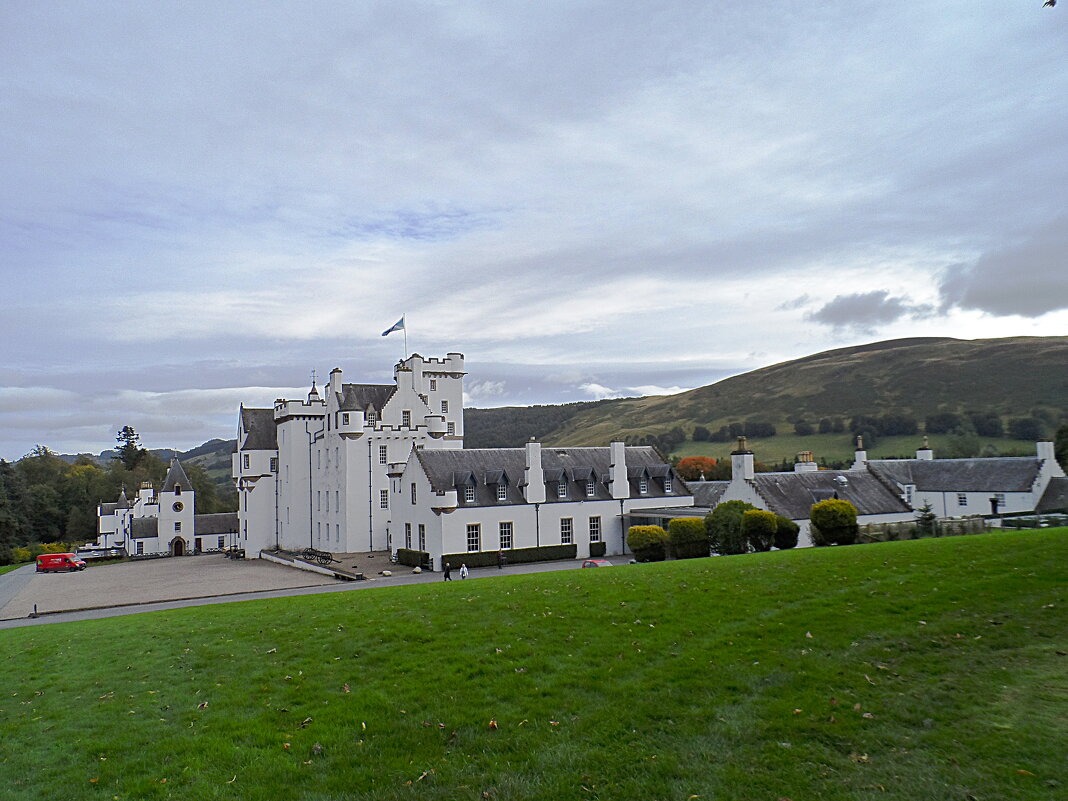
(54, 562)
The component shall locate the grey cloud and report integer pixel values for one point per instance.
(1029, 279)
(866, 311)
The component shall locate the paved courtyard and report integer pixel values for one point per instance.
(147, 581)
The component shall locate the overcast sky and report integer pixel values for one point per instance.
(203, 202)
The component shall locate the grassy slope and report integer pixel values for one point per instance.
(918, 377)
(932, 672)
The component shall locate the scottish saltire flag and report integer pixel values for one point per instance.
(397, 326)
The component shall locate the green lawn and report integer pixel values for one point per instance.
(926, 670)
(9, 568)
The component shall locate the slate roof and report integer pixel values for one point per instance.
(108, 508)
(220, 523)
(176, 476)
(992, 474)
(1055, 498)
(793, 494)
(706, 494)
(261, 433)
(483, 468)
(357, 397)
(143, 527)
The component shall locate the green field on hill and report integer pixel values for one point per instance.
(928, 669)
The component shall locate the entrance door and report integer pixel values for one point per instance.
(177, 547)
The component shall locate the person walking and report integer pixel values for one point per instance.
(448, 571)
(463, 572)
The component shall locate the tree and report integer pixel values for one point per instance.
(926, 520)
(688, 538)
(1060, 446)
(834, 522)
(803, 429)
(942, 422)
(986, 424)
(1026, 428)
(647, 542)
(130, 452)
(701, 434)
(786, 532)
(758, 528)
(724, 528)
(693, 467)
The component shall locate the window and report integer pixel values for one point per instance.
(370, 417)
(318, 500)
(140, 547)
(383, 454)
(474, 536)
(318, 459)
(337, 457)
(406, 419)
(177, 489)
(667, 484)
(222, 542)
(345, 418)
(506, 535)
(444, 407)
(595, 529)
(274, 464)
(502, 491)
(469, 494)
(178, 525)
(408, 535)
(433, 384)
(327, 458)
(962, 499)
(565, 530)
(591, 488)
(328, 501)
(422, 537)
(337, 532)
(643, 485)
(383, 499)
(245, 461)
(561, 489)
(337, 501)
(413, 493)
(450, 429)
(908, 494)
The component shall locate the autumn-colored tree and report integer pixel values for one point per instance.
(692, 468)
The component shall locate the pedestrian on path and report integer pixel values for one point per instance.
(463, 572)
(448, 570)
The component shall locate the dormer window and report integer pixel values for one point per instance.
(667, 484)
(406, 419)
(502, 492)
(469, 494)
(245, 460)
(591, 488)
(345, 418)
(561, 489)
(371, 417)
(643, 485)
(177, 489)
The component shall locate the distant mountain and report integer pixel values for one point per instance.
(1013, 377)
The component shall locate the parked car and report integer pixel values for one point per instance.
(596, 563)
(55, 562)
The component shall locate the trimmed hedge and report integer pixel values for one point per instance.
(724, 527)
(786, 532)
(649, 543)
(598, 548)
(758, 528)
(513, 556)
(688, 538)
(833, 522)
(407, 556)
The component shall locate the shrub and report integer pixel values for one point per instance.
(688, 538)
(803, 428)
(724, 528)
(701, 434)
(1026, 428)
(22, 555)
(647, 542)
(544, 553)
(942, 422)
(786, 531)
(411, 558)
(597, 548)
(758, 528)
(834, 522)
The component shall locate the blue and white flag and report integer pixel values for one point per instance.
(397, 326)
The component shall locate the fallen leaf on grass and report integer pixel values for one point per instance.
(493, 724)
(202, 705)
(287, 746)
(345, 688)
(272, 650)
(797, 711)
(305, 722)
(866, 676)
(859, 757)
(1023, 772)
(317, 749)
(868, 715)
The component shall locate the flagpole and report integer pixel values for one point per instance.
(405, 330)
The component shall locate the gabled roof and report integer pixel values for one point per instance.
(261, 432)
(448, 468)
(793, 494)
(358, 397)
(992, 474)
(1055, 498)
(144, 527)
(219, 523)
(706, 494)
(176, 476)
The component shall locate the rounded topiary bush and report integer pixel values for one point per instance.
(724, 527)
(648, 543)
(786, 532)
(758, 528)
(688, 538)
(834, 522)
